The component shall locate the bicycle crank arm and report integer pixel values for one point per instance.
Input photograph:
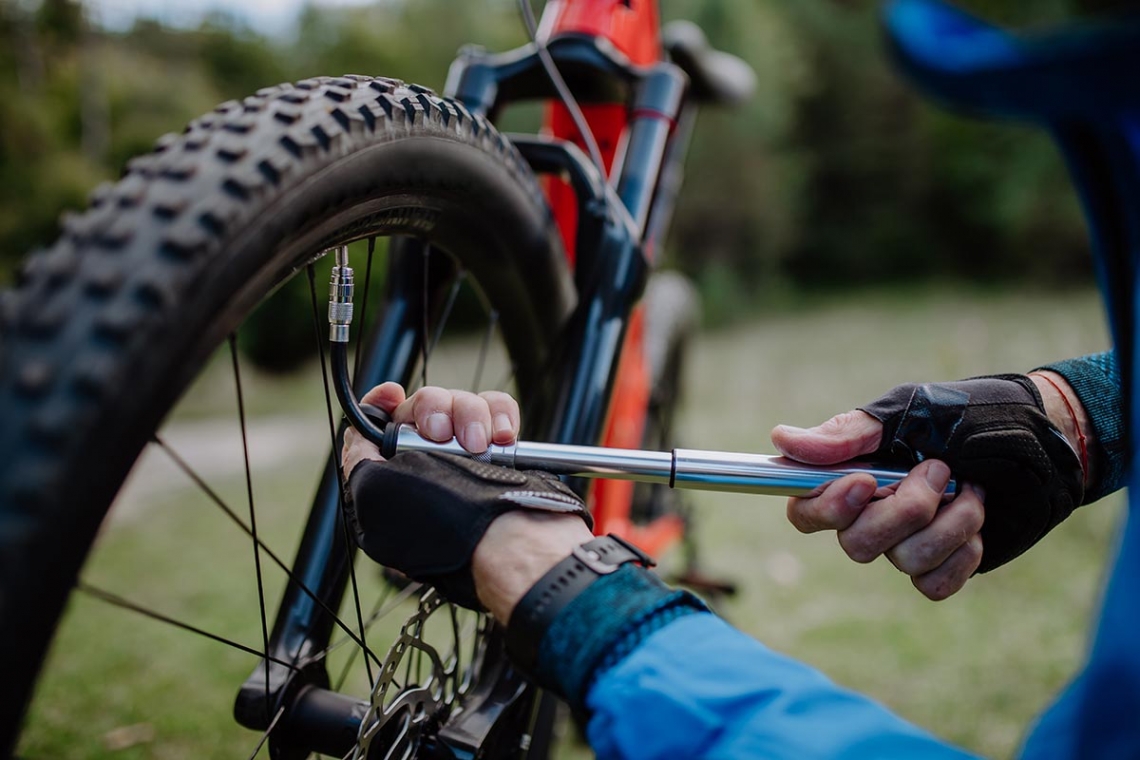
(681, 468)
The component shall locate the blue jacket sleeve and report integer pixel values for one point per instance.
(658, 676)
(697, 688)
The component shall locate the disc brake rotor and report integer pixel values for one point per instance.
(401, 715)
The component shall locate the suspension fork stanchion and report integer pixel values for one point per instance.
(656, 107)
(593, 341)
(622, 266)
(671, 178)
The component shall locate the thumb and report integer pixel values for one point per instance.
(845, 436)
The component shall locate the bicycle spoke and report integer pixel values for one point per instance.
(352, 655)
(456, 286)
(268, 731)
(395, 602)
(197, 479)
(252, 511)
(337, 467)
(408, 664)
(118, 601)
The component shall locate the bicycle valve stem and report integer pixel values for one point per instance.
(340, 297)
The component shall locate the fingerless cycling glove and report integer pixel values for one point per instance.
(424, 514)
(992, 431)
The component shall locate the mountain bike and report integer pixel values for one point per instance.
(550, 236)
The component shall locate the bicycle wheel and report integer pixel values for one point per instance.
(107, 329)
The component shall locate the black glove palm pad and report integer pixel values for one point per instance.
(424, 514)
(992, 431)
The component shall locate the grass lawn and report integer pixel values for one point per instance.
(973, 669)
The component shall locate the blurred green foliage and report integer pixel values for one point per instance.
(835, 174)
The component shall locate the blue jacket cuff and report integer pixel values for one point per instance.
(603, 625)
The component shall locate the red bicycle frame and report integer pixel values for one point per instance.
(633, 28)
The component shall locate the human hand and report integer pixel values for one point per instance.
(999, 432)
(440, 415)
(938, 545)
(482, 535)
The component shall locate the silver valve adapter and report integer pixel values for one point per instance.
(340, 297)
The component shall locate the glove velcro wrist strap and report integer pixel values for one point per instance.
(561, 585)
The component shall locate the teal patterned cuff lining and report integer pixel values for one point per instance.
(1096, 381)
(603, 625)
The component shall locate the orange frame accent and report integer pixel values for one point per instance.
(633, 27)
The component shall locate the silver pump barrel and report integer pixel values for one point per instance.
(681, 468)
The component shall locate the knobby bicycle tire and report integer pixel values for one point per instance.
(107, 327)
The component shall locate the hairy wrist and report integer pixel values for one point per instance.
(516, 551)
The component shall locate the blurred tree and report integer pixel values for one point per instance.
(735, 223)
(237, 61)
(413, 41)
(60, 22)
(835, 172)
(898, 190)
(41, 168)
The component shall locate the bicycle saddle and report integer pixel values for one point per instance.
(714, 76)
